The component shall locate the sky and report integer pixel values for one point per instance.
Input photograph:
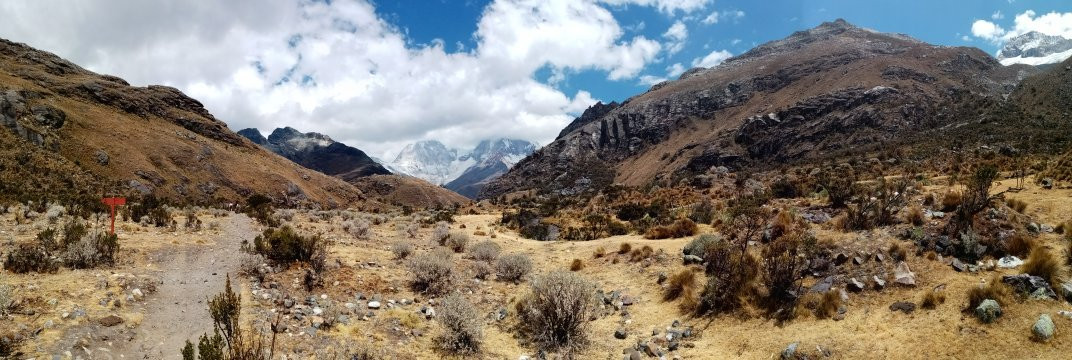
(379, 74)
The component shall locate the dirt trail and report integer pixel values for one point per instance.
(178, 310)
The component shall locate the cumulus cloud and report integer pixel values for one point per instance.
(713, 59)
(676, 34)
(1052, 23)
(715, 17)
(675, 70)
(339, 69)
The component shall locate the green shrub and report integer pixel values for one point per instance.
(284, 245)
(94, 249)
(29, 258)
(697, 246)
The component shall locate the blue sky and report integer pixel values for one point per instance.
(379, 74)
(934, 21)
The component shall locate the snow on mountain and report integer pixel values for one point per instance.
(432, 161)
(1035, 48)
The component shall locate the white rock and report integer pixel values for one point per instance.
(373, 304)
(1009, 262)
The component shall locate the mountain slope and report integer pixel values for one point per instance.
(318, 152)
(1035, 48)
(106, 136)
(834, 90)
(493, 158)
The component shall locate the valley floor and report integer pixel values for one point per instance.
(164, 278)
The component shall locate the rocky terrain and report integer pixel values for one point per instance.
(463, 172)
(787, 101)
(317, 152)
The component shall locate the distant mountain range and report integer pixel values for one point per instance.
(318, 152)
(1035, 48)
(463, 172)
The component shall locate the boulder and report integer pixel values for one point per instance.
(1043, 328)
(620, 334)
(988, 311)
(902, 275)
(855, 285)
(1028, 284)
(1009, 262)
(903, 306)
(111, 320)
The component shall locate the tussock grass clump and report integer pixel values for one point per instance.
(431, 273)
(1043, 264)
(994, 290)
(898, 251)
(402, 249)
(1016, 204)
(486, 251)
(679, 229)
(462, 331)
(555, 314)
(951, 200)
(932, 299)
(599, 252)
(681, 285)
(914, 215)
(1019, 244)
(624, 248)
(577, 265)
(828, 304)
(513, 267)
(642, 253)
(457, 241)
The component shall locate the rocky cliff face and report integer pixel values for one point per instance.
(318, 152)
(833, 89)
(1035, 48)
(82, 129)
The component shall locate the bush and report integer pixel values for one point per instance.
(73, 232)
(457, 241)
(284, 245)
(432, 273)
(410, 230)
(94, 249)
(784, 263)
(486, 251)
(402, 249)
(839, 188)
(977, 198)
(29, 258)
(193, 223)
(229, 339)
(513, 267)
(1016, 204)
(697, 246)
(441, 232)
(703, 212)
(482, 270)
(462, 326)
(681, 285)
(932, 299)
(599, 252)
(1043, 264)
(151, 209)
(556, 313)
(730, 269)
(993, 290)
(577, 265)
(679, 229)
(358, 228)
(641, 253)
(624, 248)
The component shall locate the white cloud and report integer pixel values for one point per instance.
(675, 70)
(650, 80)
(997, 15)
(735, 42)
(712, 59)
(666, 6)
(1053, 23)
(339, 69)
(676, 34)
(715, 17)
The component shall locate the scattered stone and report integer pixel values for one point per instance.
(880, 258)
(1028, 284)
(856, 260)
(1066, 314)
(959, 266)
(790, 351)
(1047, 183)
(840, 258)
(904, 306)
(935, 214)
(1043, 329)
(1033, 228)
(111, 320)
(634, 355)
(428, 312)
(902, 275)
(823, 285)
(373, 304)
(620, 334)
(662, 278)
(879, 283)
(988, 311)
(1009, 262)
(1066, 290)
(693, 259)
(855, 285)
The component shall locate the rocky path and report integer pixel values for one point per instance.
(178, 310)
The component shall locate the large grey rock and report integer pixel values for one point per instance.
(1030, 285)
(988, 311)
(902, 275)
(1043, 328)
(1009, 262)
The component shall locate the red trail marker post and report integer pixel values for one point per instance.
(112, 202)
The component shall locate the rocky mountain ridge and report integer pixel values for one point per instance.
(831, 91)
(318, 152)
(1035, 48)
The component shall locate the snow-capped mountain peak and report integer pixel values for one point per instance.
(1035, 48)
(432, 161)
